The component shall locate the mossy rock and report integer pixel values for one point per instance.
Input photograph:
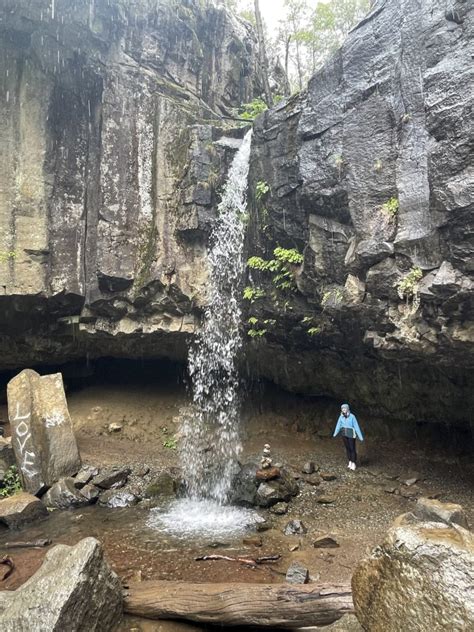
(163, 486)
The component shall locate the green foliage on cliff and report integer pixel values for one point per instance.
(261, 189)
(282, 267)
(253, 109)
(11, 482)
(390, 207)
(253, 293)
(332, 297)
(9, 255)
(408, 286)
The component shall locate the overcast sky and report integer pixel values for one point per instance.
(272, 11)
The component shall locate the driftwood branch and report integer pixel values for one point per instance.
(248, 561)
(261, 605)
(27, 545)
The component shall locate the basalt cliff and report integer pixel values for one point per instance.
(114, 146)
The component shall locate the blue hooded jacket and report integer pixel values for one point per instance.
(348, 422)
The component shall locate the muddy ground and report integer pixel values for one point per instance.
(364, 503)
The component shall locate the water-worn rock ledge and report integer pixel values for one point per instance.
(113, 163)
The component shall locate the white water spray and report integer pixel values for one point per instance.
(210, 428)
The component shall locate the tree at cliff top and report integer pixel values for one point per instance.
(309, 34)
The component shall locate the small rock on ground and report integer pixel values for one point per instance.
(326, 476)
(325, 542)
(295, 527)
(254, 540)
(297, 574)
(325, 500)
(114, 498)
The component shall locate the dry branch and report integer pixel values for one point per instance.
(26, 545)
(248, 561)
(262, 605)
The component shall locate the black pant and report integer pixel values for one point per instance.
(350, 445)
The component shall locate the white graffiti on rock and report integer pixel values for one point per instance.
(24, 442)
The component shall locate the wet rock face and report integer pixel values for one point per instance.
(42, 435)
(421, 578)
(73, 590)
(369, 177)
(110, 170)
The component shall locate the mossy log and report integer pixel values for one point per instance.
(235, 604)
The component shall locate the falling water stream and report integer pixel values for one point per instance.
(210, 443)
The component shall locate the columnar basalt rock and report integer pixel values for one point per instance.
(369, 175)
(42, 435)
(110, 113)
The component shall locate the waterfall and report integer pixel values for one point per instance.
(210, 427)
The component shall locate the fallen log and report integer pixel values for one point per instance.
(260, 605)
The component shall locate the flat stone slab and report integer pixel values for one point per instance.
(112, 478)
(85, 475)
(327, 476)
(21, 508)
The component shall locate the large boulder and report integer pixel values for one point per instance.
(21, 508)
(421, 578)
(42, 435)
(73, 591)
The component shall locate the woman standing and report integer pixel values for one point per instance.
(347, 424)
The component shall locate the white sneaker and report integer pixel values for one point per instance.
(353, 466)
(349, 465)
